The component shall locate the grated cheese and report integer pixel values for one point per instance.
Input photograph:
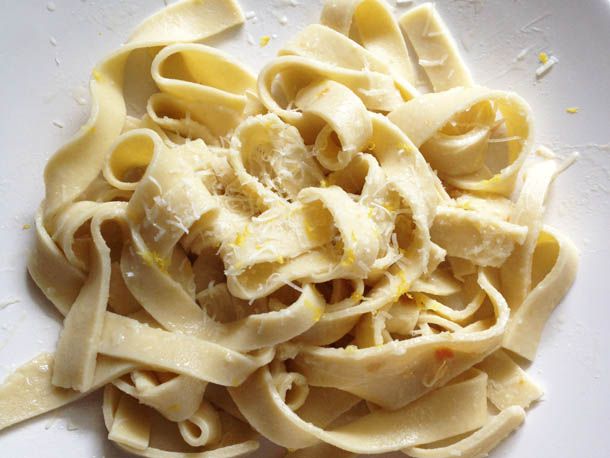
(545, 67)
(433, 63)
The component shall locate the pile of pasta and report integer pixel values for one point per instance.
(344, 254)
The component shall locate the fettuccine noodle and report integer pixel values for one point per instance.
(326, 255)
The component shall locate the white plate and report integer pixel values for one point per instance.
(47, 51)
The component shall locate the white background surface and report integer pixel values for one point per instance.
(42, 82)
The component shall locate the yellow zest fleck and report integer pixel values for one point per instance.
(258, 246)
(403, 286)
(572, 110)
(240, 238)
(152, 258)
(465, 206)
(323, 184)
(264, 41)
(356, 296)
(354, 237)
(309, 230)
(316, 310)
(239, 265)
(420, 300)
(280, 260)
(97, 76)
(370, 213)
(26, 226)
(351, 349)
(493, 180)
(543, 57)
(404, 147)
(349, 258)
(389, 206)
(323, 92)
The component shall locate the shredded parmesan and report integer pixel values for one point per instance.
(545, 67)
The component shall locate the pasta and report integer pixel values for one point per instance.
(326, 254)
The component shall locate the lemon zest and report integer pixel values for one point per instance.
(240, 238)
(349, 258)
(316, 310)
(152, 258)
(543, 57)
(403, 286)
(493, 180)
(97, 76)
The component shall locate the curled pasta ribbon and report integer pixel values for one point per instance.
(325, 45)
(436, 49)
(425, 117)
(341, 368)
(376, 432)
(273, 163)
(508, 385)
(32, 381)
(175, 397)
(130, 426)
(480, 442)
(79, 340)
(185, 315)
(76, 165)
(377, 31)
(296, 74)
(350, 257)
(484, 240)
(350, 124)
(203, 91)
(202, 428)
(555, 262)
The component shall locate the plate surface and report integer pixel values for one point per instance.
(47, 51)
